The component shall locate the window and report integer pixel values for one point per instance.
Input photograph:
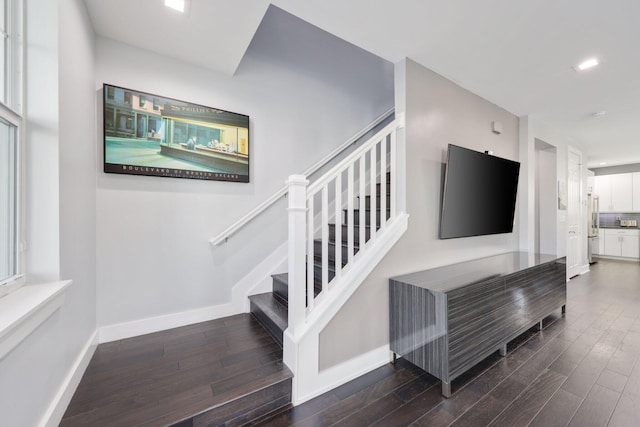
(11, 268)
(8, 200)
(11, 53)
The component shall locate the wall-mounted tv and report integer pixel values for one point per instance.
(479, 195)
(146, 134)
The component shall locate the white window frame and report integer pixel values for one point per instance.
(10, 113)
(15, 281)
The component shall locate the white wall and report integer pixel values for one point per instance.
(305, 91)
(60, 206)
(438, 112)
(77, 175)
(533, 129)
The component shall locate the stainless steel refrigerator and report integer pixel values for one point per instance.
(593, 206)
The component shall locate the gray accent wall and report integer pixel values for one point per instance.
(438, 112)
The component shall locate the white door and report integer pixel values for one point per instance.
(574, 240)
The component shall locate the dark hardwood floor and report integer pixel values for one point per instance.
(224, 371)
(581, 370)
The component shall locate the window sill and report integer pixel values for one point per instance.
(22, 311)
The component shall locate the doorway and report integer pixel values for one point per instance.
(574, 213)
(546, 223)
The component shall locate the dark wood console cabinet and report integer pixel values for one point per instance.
(447, 319)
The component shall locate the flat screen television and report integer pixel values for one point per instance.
(479, 195)
(147, 134)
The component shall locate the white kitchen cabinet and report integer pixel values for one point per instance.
(612, 246)
(636, 192)
(622, 192)
(601, 243)
(621, 243)
(615, 192)
(602, 188)
(631, 247)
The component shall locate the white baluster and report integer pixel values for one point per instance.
(372, 191)
(383, 183)
(350, 227)
(296, 212)
(393, 169)
(325, 237)
(310, 253)
(338, 226)
(400, 185)
(363, 218)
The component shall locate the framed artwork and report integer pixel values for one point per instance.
(146, 134)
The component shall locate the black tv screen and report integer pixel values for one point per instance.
(479, 195)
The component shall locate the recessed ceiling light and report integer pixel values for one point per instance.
(589, 63)
(603, 163)
(175, 4)
(598, 114)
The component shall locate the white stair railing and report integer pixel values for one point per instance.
(258, 210)
(334, 198)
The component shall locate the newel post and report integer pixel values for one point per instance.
(297, 212)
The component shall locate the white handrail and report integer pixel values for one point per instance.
(233, 228)
(326, 159)
(328, 176)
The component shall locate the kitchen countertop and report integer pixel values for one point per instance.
(622, 228)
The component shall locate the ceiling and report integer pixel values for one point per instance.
(516, 54)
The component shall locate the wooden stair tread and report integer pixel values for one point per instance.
(273, 308)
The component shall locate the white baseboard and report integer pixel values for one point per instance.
(616, 258)
(149, 325)
(583, 269)
(58, 406)
(346, 371)
(256, 281)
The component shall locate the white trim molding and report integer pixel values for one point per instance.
(58, 406)
(584, 269)
(301, 351)
(149, 325)
(256, 281)
(22, 311)
(346, 371)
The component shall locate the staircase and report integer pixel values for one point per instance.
(339, 228)
(271, 308)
